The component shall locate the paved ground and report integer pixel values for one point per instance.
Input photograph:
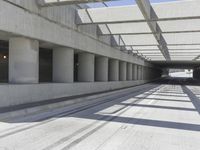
(162, 116)
(182, 74)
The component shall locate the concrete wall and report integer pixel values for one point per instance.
(28, 93)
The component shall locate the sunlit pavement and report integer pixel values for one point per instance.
(162, 116)
(183, 74)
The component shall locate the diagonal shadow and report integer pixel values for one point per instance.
(170, 100)
(171, 92)
(171, 95)
(194, 99)
(106, 103)
(160, 107)
(153, 123)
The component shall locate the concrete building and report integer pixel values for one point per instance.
(56, 47)
(55, 55)
(78, 75)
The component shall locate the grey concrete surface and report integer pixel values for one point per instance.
(134, 72)
(122, 71)
(23, 60)
(63, 65)
(101, 68)
(139, 72)
(160, 116)
(16, 94)
(86, 67)
(129, 71)
(113, 66)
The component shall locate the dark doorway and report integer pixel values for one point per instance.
(75, 67)
(45, 65)
(4, 46)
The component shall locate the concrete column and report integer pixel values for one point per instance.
(63, 65)
(113, 71)
(23, 60)
(138, 72)
(196, 73)
(129, 71)
(141, 72)
(134, 72)
(122, 71)
(146, 73)
(101, 68)
(86, 67)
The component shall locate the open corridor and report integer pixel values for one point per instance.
(157, 116)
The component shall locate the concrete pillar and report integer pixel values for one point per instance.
(113, 70)
(23, 60)
(142, 73)
(129, 71)
(101, 68)
(146, 73)
(138, 72)
(86, 67)
(63, 65)
(122, 71)
(196, 73)
(134, 72)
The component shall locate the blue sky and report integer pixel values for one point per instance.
(125, 2)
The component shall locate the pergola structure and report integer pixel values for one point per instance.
(158, 32)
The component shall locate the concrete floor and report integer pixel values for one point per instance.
(160, 116)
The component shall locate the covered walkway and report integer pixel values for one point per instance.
(94, 75)
(157, 116)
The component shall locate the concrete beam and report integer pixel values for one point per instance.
(82, 22)
(149, 13)
(139, 33)
(46, 3)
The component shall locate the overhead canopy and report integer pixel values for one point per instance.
(162, 31)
